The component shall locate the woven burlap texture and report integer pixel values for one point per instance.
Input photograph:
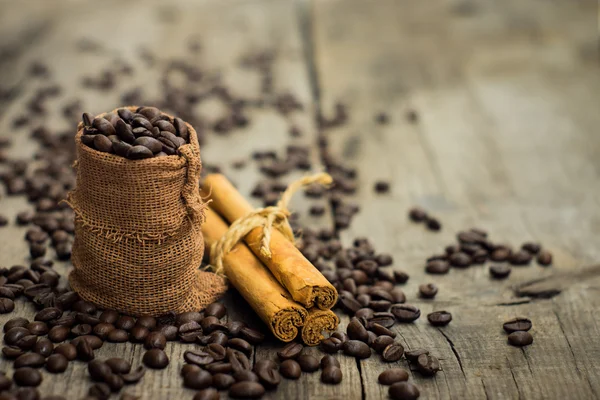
(138, 243)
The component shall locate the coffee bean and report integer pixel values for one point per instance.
(156, 359)
(393, 375)
(48, 314)
(428, 365)
(500, 255)
(398, 296)
(219, 367)
(114, 382)
(290, 369)
(331, 375)
(57, 363)
(215, 310)
(385, 319)
(222, 381)
(252, 335)
(109, 317)
(139, 152)
(290, 351)
(417, 214)
(329, 360)
(392, 352)
(14, 323)
(245, 375)
(267, 373)
(240, 344)
(439, 318)
(216, 351)
(118, 365)
(331, 345)
(34, 360)
(517, 324)
(413, 355)
(404, 391)
(308, 363)
(12, 352)
(433, 224)
(544, 258)
(117, 336)
(85, 352)
(44, 347)
(169, 331)
(460, 260)
(357, 331)
(380, 330)
(405, 312)
(207, 394)
(103, 329)
(401, 276)
(37, 328)
(518, 338)
(381, 342)
(27, 377)
(428, 291)
(187, 368)
(533, 248)
(197, 379)
(27, 342)
(438, 267)
(100, 391)
(155, 340)
(135, 375)
(356, 348)
(81, 330)
(67, 350)
(521, 257)
(349, 303)
(200, 358)
(500, 271)
(102, 143)
(6, 305)
(94, 342)
(246, 390)
(146, 322)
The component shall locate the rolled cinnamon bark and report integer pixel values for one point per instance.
(256, 284)
(302, 280)
(317, 322)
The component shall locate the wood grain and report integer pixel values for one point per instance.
(505, 140)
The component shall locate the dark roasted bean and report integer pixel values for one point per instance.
(393, 375)
(404, 391)
(428, 365)
(517, 324)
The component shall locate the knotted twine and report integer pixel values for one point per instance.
(268, 218)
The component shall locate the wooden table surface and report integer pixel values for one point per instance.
(507, 95)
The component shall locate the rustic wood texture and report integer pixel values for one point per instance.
(507, 96)
(506, 139)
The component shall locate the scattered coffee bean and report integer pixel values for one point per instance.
(67, 350)
(393, 375)
(156, 359)
(392, 352)
(197, 380)
(134, 376)
(439, 318)
(428, 291)
(413, 355)
(331, 375)
(517, 324)
(246, 390)
(27, 377)
(290, 369)
(308, 363)
(404, 391)
(267, 373)
(518, 338)
(118, 365)
(356, 348)
(544, 258)
(207, 394)
(500, 271)
(428, 365)
(290, 351)
(417, 214)
(405, 312)
(438, 267)
(433, 224)
(57, 363)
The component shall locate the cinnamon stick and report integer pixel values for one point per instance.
(256, 284)
(292, 270)
(317, 322)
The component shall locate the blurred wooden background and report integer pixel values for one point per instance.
(508, 98)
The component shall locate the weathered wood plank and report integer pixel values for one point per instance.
(497, 144)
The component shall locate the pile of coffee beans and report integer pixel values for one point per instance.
(474, 247)
(145, 133)
(518, 332)
(418, 215)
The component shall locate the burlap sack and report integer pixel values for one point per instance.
(138, 243)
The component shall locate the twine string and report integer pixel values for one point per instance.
(268, 218)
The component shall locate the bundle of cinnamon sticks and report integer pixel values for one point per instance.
(284, 288)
